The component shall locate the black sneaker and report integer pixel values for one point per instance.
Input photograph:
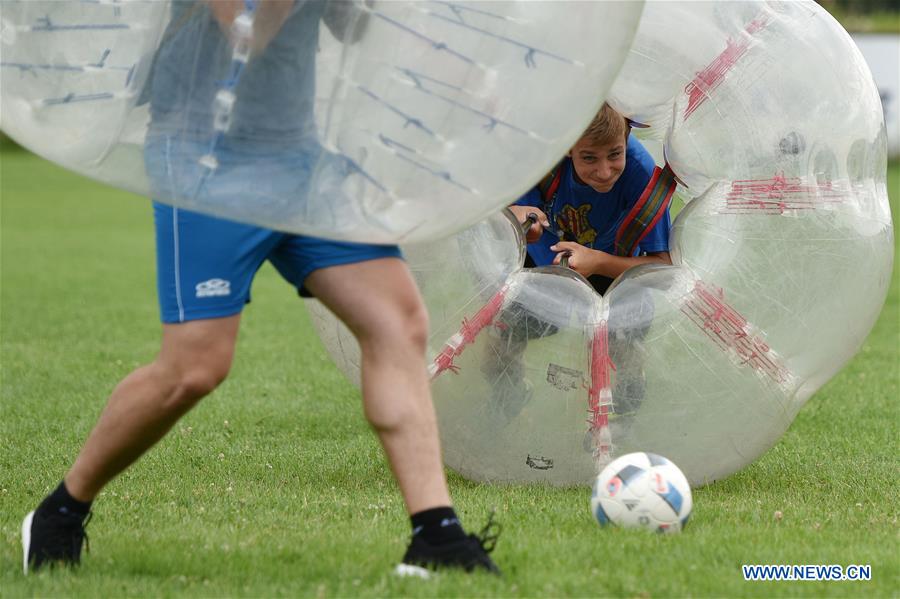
(53, 538)
(469, 554)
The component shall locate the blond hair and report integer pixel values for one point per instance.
(607, 127)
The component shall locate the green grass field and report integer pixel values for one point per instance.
(274, 485)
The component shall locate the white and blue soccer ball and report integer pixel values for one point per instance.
(642, 490)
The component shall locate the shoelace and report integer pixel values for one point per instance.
(84, 535)
(488, 536)
(72, 529)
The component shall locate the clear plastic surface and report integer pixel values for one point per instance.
(384, 122)
(781, 263)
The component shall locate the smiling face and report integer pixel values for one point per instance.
(598, 165)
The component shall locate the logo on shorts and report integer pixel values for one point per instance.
(213, 288)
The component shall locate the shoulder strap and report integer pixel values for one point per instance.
(649, 208)
(549, 185)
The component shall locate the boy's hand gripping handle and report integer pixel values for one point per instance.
(526, 226)
(529, 222)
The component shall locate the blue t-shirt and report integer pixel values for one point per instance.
(275, 92)
(592, 218)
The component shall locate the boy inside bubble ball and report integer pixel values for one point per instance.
(205, 267)
(605, 208)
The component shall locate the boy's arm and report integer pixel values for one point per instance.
(587, 262)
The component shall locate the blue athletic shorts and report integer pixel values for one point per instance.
(205, 265)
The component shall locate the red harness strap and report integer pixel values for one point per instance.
(649, 208)
(549, 186)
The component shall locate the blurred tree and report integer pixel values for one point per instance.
(875, 16)
(861, 6)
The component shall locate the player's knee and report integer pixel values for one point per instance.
(416, 326)
(196, 382)
(403, 328)
(411, 335)
(202, 382)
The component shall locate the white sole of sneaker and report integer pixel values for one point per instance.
(412, 571)
(26, 540)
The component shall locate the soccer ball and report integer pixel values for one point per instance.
(642, 490)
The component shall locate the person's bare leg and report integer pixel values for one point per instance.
(379, 302)
(195, 357)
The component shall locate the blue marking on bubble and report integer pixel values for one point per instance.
(418, 78)
(30, 68)
(600, 515)
(440, 46)
(531, 51)
(76, 68)
(673, 497)
(102, 62)
(409, 119)
(459, 10)
(70, 68)
(45, 24)
(359, 169)
(456, 10)
(393, 144)
(73, 98)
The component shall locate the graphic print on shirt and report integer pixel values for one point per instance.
(574, 223)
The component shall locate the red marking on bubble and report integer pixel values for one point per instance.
(598, 401)
(707, 80)
(706, 307)
(780, 194)
(467, 334)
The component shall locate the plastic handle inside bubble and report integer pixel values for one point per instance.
(529, 220)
